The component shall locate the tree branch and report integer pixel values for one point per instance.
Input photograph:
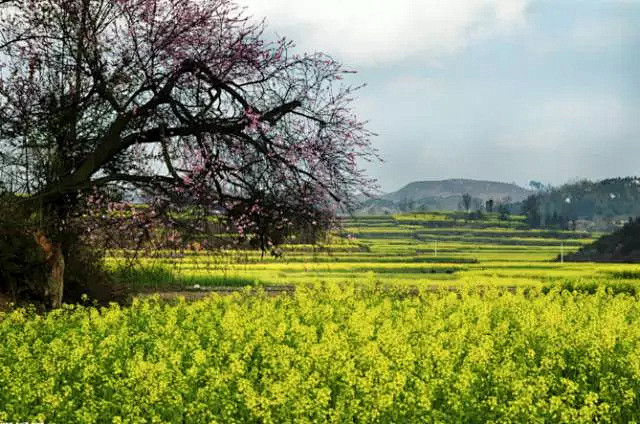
(139, 179)
(274, 115)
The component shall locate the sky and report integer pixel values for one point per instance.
(504, 90)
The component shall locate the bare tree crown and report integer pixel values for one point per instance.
(180, 98)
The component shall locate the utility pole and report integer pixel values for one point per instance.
(435, 248)
(562, 253)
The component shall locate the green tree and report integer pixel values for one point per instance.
(466, 202)
(183, 101)
(489, 205)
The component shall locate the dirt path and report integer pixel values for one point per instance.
(199, 293)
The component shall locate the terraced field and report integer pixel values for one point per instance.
(423, 250)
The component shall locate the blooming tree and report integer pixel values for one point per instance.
(181, 99)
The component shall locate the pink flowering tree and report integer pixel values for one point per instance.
(183, 100)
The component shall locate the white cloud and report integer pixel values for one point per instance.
(382, 31)
(573, 123)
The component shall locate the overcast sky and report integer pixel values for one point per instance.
(506, 90)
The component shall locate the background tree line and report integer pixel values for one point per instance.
(610, 200)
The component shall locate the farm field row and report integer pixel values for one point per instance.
(397, 253)
(328, 354)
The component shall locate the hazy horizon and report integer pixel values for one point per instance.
(500, 90)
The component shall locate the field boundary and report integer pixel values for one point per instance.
(190, 293)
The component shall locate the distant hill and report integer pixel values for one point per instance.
(444, 195)
(483, 190)
(621, 246)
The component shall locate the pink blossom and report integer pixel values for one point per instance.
(253, 117)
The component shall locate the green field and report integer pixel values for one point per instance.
(381, 328)
(422, 250)
(328, 354)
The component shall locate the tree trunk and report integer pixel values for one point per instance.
(54, 262)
